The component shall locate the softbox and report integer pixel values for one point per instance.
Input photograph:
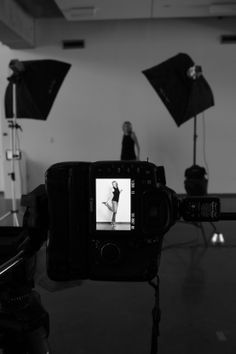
(37, 84)
(183, 96)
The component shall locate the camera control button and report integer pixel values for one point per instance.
(99, 171)
(110, 253)
(148, 172)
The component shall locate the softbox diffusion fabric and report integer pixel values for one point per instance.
(183, 96)
(36, 88)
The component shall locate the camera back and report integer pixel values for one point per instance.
(105, 220)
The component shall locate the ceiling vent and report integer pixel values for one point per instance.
(228, 39)
(79, 13)
(73, 44)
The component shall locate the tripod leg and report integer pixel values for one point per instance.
(156, 316)
(35, 342)
(38, 342)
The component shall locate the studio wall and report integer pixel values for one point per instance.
(105, 87)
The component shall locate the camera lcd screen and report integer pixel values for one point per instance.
(114, 204)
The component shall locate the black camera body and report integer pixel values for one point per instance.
(106, 220)
(83, 241)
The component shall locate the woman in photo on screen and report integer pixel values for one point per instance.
(113, 207)
(130, 149)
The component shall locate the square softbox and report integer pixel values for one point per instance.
(183, 96)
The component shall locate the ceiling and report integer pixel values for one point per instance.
(17, 17)
(75, 10)
(40, 8)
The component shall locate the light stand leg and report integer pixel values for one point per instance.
(15, 219)
(9, 213)
(14, 216)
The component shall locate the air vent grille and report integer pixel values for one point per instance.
(73, 44)
(228, 39)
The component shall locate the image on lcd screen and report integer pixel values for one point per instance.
(113, 204)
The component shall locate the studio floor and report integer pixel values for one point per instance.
(109, 226)
(197, 300)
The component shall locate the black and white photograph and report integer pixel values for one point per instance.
(117, 176)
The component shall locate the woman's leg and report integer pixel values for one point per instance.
(108, 206)
(115, 207)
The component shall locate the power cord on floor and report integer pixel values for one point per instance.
(195, 244)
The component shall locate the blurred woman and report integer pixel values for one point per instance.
(130, 147)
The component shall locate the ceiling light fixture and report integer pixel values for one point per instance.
(77, 13)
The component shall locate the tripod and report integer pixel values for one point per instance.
(24, 323)
(14, 156)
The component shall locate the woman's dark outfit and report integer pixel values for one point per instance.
(127, 151)
(116, 194)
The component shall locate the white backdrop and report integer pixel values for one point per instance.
(104, 191)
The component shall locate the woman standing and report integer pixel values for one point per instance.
(114, 201)
(130, 147)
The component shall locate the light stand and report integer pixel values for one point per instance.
(199, 186)
(31, 91)
(195, 141)
(13, 126)
(193, 73)
(196, 180)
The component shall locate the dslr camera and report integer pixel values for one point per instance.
(107, 219)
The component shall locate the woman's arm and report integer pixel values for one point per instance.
(137, 147)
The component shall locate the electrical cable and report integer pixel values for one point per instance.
(186, 244)
(178, 246)
(194, 243)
